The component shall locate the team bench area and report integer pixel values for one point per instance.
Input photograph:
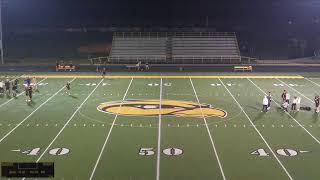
(242, 68)
(65, 68)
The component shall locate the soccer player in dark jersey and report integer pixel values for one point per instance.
(26, 92)
(14, 88)
(30, 93)
(28, 80)
(16, 83)
(317, 104)
(103, 72)
(269, 100)
(7, 85)
(68, 88)
(284, 96)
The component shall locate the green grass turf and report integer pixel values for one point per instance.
(106, 146)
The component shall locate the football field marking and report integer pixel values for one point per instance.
(110, 130)
(159, 134)
(174, 77)
(302, 126)
(309, 79)
(18, 95)
(45, 102)
(256, 129)
(71, 117)
(208, 130)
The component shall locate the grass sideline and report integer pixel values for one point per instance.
(168, 77)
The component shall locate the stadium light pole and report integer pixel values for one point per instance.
(1, 43)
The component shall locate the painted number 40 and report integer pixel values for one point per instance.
(53, 152)
(283, 152)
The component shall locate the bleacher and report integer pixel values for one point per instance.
(175, 47)
(205, 48)
(134, 47)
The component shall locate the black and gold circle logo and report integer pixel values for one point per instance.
(151, 107)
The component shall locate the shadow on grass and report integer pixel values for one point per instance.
(259, 117)
(74, 97)
(31, 103)
(294, 114)
(315, 117)
(281, 111)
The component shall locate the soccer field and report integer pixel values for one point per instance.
(159, 127)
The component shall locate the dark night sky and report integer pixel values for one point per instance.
(160, 12)
(264, 25)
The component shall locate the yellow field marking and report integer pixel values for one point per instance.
(169, 77)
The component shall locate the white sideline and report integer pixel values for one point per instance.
(18, 95)
(32, 113)
(159, 134)
(107, 138)
(210, 136)
(288, 114)
(71, 117)
(253, 125)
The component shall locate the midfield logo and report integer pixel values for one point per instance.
(151, 107)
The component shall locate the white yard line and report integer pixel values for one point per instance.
(159, 135)
(208, 130)
(287, 113)
(294, 89)
(253, 125)
(32, 113)
(110, 130)
(309, 79)
(71, 117)
(3, 104)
